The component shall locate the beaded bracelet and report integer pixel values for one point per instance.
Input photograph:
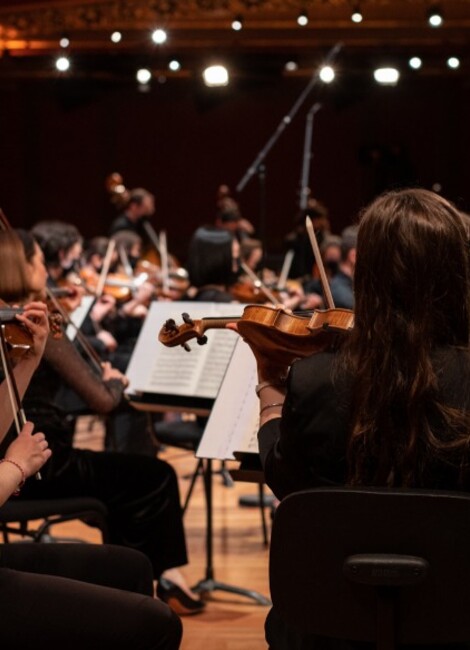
(269, 406)
(23, 475)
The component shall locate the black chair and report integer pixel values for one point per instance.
(373, 565)
(15, 517)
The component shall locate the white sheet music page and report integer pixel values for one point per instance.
(155, 368)
(78, 316)
(234, 420)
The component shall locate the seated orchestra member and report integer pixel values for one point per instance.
(77, 594)
(141, 493)
(391, 405)
(138, 206)
(228, 215)
(213, 264)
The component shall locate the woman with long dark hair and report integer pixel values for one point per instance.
(391, 406)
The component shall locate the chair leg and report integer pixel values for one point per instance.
(264, 525)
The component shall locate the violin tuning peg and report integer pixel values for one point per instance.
(202, 340)
(186, 347)
(187, 319)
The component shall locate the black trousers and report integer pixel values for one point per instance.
(49, 599)
(141, 494)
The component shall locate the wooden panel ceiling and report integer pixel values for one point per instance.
(198, 28)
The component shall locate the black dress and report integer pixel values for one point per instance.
(141, 493)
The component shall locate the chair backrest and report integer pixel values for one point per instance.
(316, 582)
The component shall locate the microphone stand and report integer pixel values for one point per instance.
(257, 167)
(307, 157)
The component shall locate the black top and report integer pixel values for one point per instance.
(307, 446)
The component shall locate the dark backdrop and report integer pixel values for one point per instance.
(60, 139)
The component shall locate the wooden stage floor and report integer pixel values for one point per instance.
(229, 622)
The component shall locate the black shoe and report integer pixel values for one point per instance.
(177, 599)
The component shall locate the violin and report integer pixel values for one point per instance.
(278, 333)
(117, 285)
(17, 336)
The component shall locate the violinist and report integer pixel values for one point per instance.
(213, 264)
(140, 492)
(62, 246)
(96, 594)
(390, 407)
(137, 207)
(228, 215)
(297, 240)
(339, 257)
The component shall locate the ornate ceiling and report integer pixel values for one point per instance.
(201, 28)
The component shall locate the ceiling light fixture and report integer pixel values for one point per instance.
(453, 62)
(116, 37)
(387, 76)
(216, 75)
(237, 23)
(174, 65)
(327, 74)
(62, 63)
(302, 18)
(64, 42)
(143, 75)
(159, 36)
(356, 15)
(415, 63)
(435, 17)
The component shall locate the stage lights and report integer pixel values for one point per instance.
(215, 75)
(159, 36)
(327, 74)
(387, 76)
(143, 76)
(453, 63)
(356, 15)
(237, 23)
(415, 63)
(62, 63)
(435, 17)
(302, 18)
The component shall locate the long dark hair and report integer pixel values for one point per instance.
(412, 295)
(210, 257)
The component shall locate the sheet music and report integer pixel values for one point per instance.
(78, 316)
(155, 368)
(234, 420)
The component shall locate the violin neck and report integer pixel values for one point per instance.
(7, 315)
(213, 323)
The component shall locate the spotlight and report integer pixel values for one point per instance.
(159, 36)
(387, 76)
(435, 18)
(291, 66)
(415, 62)
(64, 42)
(327, 74)
(216, 75)
(237, 23)
(174, 65)
(302, 19)
(453, 62)
(356, 15)
(62, 64)
(116, 37)
(143, 75)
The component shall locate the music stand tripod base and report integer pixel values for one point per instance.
(208, 584)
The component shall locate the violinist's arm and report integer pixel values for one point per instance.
(36, 321)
